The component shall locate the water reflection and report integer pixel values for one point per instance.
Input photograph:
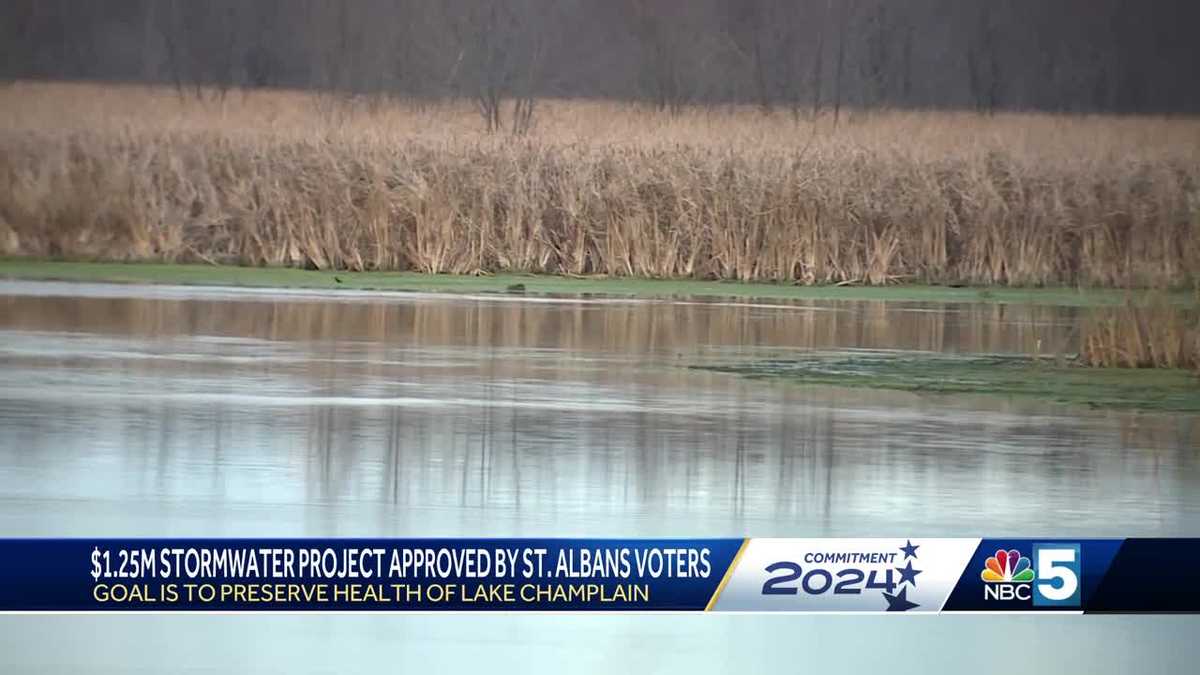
(490, 417)
(624, 326)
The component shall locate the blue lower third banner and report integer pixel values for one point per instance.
(910, 575)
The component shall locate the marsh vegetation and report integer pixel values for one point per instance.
(275, 179)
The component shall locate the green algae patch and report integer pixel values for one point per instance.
(1053, 380)
(533, 284)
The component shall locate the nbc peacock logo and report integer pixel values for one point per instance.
(1007, 575)
(1007, 566)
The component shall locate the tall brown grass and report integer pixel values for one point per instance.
(285, 178)
(1152, 333)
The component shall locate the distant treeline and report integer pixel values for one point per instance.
(1072, 55)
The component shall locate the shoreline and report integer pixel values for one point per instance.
(1060, 381)
(187, 274)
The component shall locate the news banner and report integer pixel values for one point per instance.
(910, 575)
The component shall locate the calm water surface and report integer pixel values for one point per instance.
(158, 411)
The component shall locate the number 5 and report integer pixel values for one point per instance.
(1057, 573)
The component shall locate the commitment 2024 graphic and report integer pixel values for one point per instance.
(902, 576)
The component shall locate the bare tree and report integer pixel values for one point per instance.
(746, 25)
(906, 56)
(500, 50)
(983, 63)
(659, 48)
(1067, 54)
(876, 65)
(228, 59)
(16, 38)
(818, 70)
(844, 9)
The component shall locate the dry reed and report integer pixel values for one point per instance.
(1149, 334)
(285, 178)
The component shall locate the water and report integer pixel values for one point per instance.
(134, 411)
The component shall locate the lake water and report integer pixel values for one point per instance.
(164, 411)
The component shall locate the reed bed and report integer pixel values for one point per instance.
(293, 179)
(1147, 334)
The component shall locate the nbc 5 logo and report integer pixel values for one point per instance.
(1058, 569)
(1050, 580)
